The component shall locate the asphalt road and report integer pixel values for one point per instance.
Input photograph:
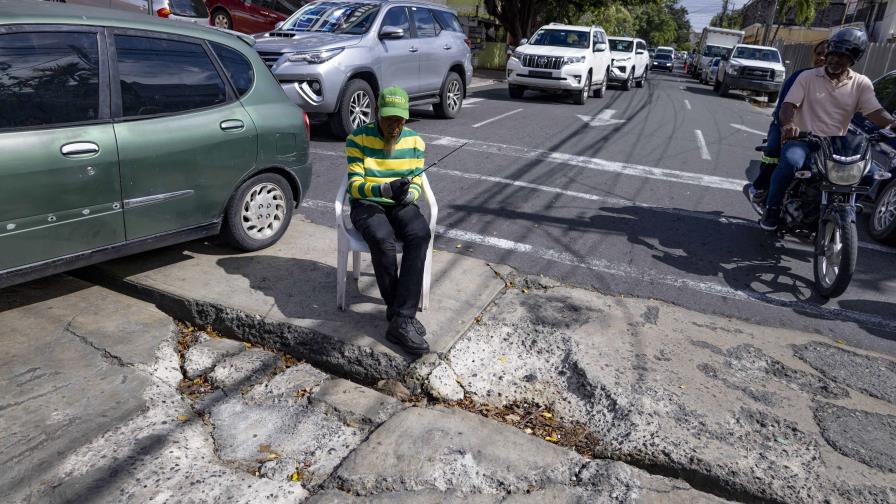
(637, 193)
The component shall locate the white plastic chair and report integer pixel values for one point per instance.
(350, 240)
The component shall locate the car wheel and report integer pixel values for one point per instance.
(602, 90)
(221, 19)
(355, 110)
(516, 92)
(582, 96)
(640, 82)
(452, 97)
(628, 82)
(723, 90)
(258, 213)
(882, 225)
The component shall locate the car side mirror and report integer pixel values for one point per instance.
(391, 32)
(524, 41)
(600, 47)
(278, 25)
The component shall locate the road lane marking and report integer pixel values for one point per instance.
(687, 104)
(748, 130)
(627, 271)
(701, 142)
(502, 116)
(735, 221)
(589, 162)
(470, 102)
(604, 118)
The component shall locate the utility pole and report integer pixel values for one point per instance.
(769, 22)
(724, 11)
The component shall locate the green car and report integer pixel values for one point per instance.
(121, 133)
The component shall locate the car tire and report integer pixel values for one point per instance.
(629, 81)
(356, 109)
(258, 213)
(640, 82)
(723, 90)
(882, 223)
(716, 85)
(221, 19)
(580, 97)
(516, 92)
(451, 96)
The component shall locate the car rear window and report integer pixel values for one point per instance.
(448, 21)
(663, 56)
(238, 68)
(161, 76)
(188, 8)
(48, 79)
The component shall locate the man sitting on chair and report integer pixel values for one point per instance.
(384, 164)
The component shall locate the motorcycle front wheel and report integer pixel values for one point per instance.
(836, 251)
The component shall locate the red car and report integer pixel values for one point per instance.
(250, 16)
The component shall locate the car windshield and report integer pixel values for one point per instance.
(561, 38)
(754, 53)
(663, 57)
(333, 17)
(713, 51)
(621, 45)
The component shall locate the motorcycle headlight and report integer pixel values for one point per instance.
(573, 59)
(846, 174)
(315, 57)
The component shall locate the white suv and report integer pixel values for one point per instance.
(630, 61)
(561, 58)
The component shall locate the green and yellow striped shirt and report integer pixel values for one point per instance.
(369, 165)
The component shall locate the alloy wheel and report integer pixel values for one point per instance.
(221, 21)
(833, 252)
(263, 210)
(886, 211)
(360, 110)
(454, 96)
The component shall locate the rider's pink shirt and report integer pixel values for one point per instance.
(826, 108)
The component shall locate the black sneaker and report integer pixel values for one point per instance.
(758, 196)
(771, 220)
(402, 332)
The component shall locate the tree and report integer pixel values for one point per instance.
(733, 20)
(614, 18)
(522, 17)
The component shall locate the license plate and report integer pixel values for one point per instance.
(534, 73)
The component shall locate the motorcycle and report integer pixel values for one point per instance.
(821, 203)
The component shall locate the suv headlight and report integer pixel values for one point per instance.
(573, 59)
(733, 69)
(315, 57)
(517, 55)
(622, 60)
(846, 174)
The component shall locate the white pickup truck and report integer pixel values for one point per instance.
(751, 68)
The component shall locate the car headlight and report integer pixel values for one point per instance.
(517, 55)
(779, 75)
(846, 174)
(622, 60)
(573, 59)
(315, 57)
(733, 69)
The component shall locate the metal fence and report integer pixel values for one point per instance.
(879, 60)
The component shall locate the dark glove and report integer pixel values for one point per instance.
(396, 190)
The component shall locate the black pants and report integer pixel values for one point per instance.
(382, 227)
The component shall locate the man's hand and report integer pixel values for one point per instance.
(789, 132)
(396, 190)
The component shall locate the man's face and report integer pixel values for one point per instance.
(837, 63)
(391, 127)
(819, 56)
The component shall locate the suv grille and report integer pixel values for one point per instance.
(270, 57)
(757, 73)
(547, 62)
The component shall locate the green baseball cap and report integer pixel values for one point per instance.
(393, 101)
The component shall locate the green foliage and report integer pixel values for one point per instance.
(734, 20)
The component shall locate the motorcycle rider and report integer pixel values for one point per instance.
(772, 150)
(822, 101)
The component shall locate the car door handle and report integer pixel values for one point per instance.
(413, 49)
(446, 47)
(75, 149)
(232, 125)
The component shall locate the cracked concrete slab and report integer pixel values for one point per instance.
(105, 428)
(284, 297)
(725, 405)
(468, 458)
(243, 369)
(202, 358)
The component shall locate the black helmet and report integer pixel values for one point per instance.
(849, 41)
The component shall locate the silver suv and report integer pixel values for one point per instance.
(333, 56)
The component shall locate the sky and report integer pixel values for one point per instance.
(701, 11)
